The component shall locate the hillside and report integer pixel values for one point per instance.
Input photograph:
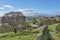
(32, 35)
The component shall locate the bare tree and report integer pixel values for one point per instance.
(13, 19)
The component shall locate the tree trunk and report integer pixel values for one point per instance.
(15, 30)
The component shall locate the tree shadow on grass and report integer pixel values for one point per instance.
(24, 33)
(19, 34)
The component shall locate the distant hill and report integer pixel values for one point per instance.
(35, 13)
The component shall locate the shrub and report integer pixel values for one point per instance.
(58, 28)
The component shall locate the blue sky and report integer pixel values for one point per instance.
(33, 4)
(39, 5)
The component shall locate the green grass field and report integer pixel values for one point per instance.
(54, 34)
(30, 35)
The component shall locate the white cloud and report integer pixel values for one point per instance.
(1, 7)
(8, 6)
(1, 14)
(28, 12)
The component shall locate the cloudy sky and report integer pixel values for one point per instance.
(30, 5)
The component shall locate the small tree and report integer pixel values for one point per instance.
(34, 21)
(13, 19)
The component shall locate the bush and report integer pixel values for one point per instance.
(58, 28)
